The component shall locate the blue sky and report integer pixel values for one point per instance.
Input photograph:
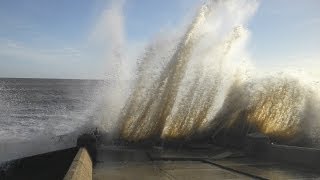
(285, 34)
(68, 39)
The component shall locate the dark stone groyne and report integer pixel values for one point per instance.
(49, 166)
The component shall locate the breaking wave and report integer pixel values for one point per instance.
(202, 82)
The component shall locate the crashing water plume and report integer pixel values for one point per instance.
(282, 107)
(203, 85)
(166, 88)
(275, 108)
(198, 67)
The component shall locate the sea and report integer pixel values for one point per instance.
(36, 112)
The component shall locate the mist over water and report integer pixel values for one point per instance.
(205, 83)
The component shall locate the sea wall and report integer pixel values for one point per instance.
(81, 167)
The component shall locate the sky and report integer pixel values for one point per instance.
(70, 39)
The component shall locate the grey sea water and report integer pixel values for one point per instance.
(37, 107)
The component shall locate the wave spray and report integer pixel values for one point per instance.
(203, 84)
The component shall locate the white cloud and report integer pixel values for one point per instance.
(21, 51)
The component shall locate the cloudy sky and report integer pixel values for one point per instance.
(70, 39)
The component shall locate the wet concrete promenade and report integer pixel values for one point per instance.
(202, 163)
